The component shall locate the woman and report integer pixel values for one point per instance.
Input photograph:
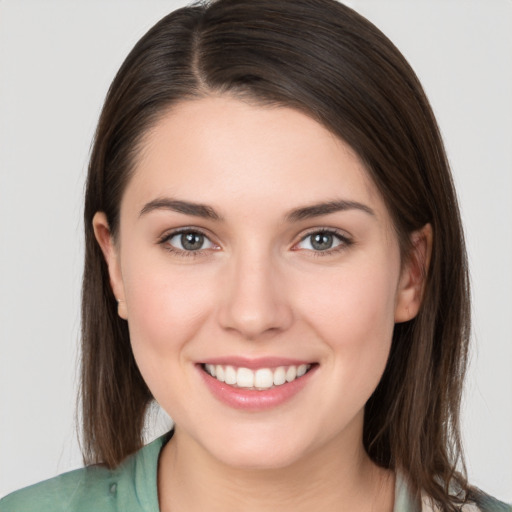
(274, 254)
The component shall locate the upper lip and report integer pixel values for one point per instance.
(255, 363)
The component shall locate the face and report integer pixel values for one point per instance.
(253, 247)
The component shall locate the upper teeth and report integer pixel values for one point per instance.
(263, 378)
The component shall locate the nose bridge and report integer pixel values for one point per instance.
(254, 300)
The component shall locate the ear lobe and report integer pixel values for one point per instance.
(110, 253)
(414, 275)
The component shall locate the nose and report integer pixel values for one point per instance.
(253, 300)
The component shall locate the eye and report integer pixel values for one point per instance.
(187, 241)
(324, 240)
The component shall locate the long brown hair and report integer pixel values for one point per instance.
(324, 59)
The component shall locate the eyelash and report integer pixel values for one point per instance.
(345, 242)
(179, 252)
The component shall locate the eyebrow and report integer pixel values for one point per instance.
(187, 207)
(207, 212)
(325, 208)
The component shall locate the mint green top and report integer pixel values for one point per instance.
(131, 487)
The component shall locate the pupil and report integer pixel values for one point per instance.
(192, 241)
(322, 241)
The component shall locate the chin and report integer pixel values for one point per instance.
(259, 447)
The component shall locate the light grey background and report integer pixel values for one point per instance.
(57, 59)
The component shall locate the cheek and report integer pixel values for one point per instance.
(352, 311)
(355, 320)
(357, 298)
(165, 311)
(166, 308)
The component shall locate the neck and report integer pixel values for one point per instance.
(189, 479)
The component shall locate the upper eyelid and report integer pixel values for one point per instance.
(187, 229)
(334, 231)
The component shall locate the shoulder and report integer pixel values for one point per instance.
(68, 492)
(479, 502)
(476, 500)
(131, 487)
(486, 503)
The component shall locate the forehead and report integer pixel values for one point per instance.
(221, 149)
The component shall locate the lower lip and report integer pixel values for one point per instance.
(253, 399)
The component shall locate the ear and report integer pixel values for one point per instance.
(414, 275)
(111, 255)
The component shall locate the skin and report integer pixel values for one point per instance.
(259, 288)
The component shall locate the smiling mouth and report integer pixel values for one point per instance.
(260, 379)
